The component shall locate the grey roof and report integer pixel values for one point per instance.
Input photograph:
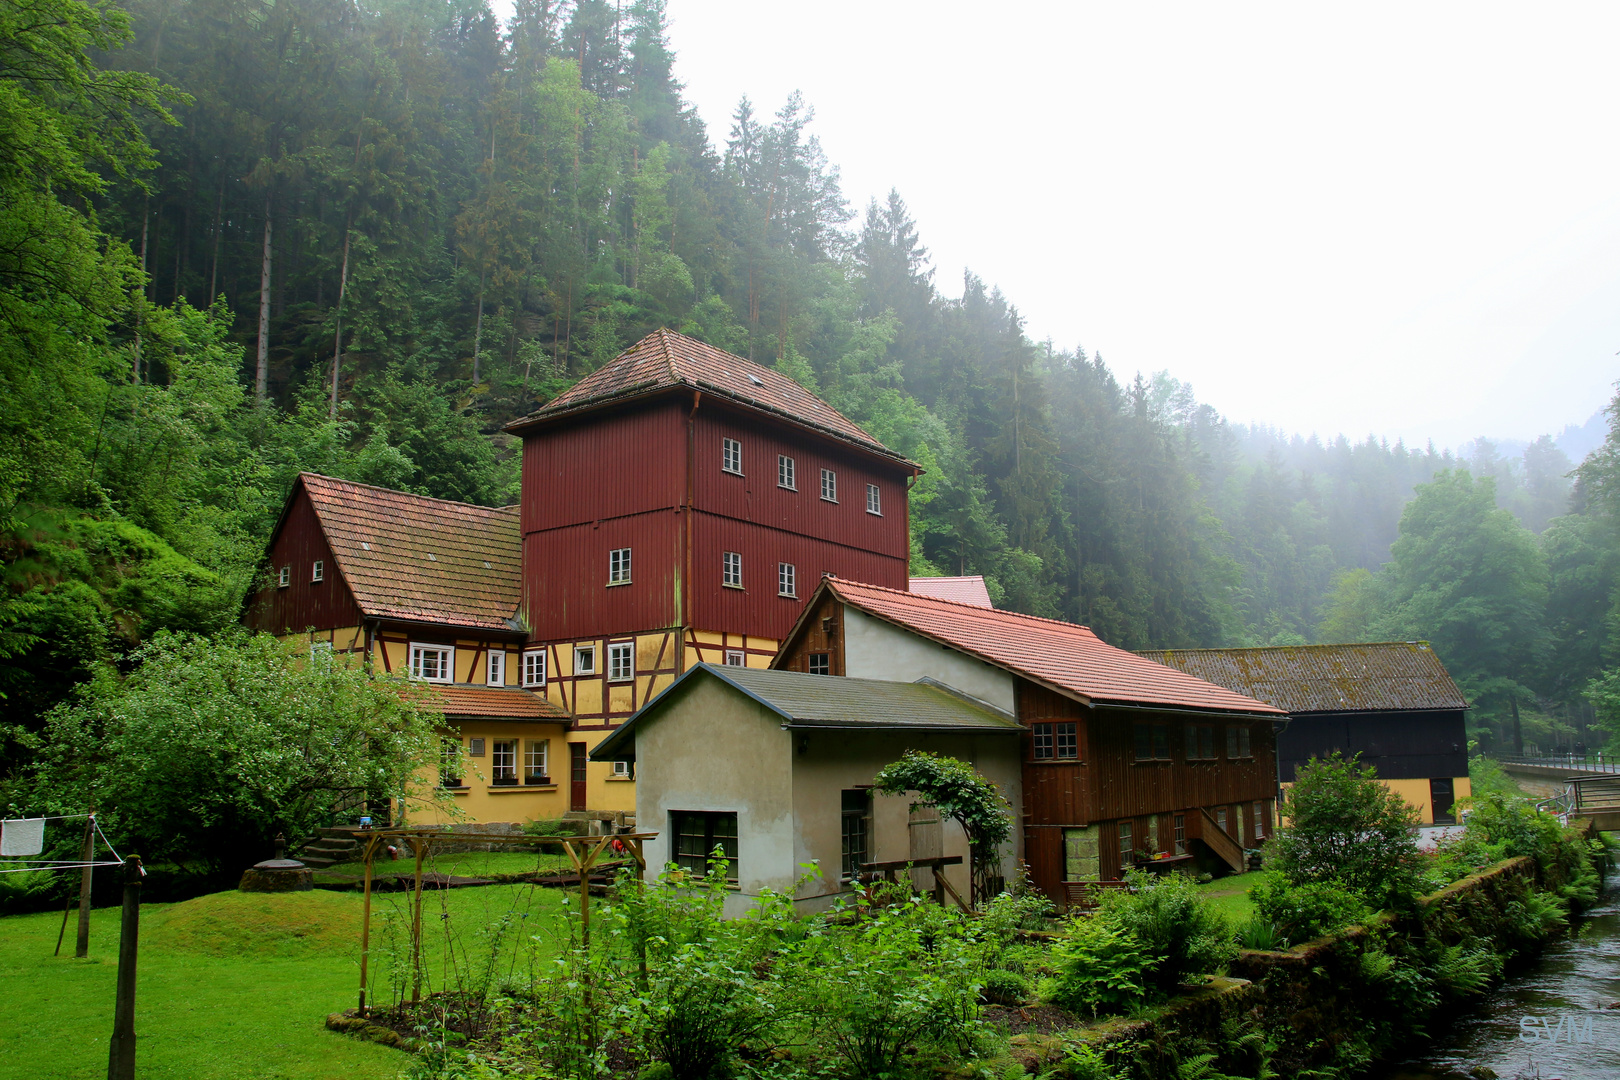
(831, 701)
(1386, 676)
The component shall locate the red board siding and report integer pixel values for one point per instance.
(605, 465)
(1126, 788)
(566, 595)
(756, 609)
(303, 604)
(756, 497)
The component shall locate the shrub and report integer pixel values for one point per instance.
(1007, 914)
(1173, 921)
(1100, 968)
(699, 1008)
(1002, 987)
(1467, 970)
(1301, 912)
(1258, 932)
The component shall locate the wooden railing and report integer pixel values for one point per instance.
(1216, 839)
(872, 871)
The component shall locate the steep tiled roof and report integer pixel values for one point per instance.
(494, 703)
(1061, 655)
(665, 359)
(1384, 676)
(417, 559)
(964, 590)
(822, 701)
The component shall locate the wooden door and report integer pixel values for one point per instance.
(927, 841)
(1440, 801)
(576, 776)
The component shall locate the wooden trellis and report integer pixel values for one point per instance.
(582, 851)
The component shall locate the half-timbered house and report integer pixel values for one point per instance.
(1124, 761)
(429, 588)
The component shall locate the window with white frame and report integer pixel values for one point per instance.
(731, 569)
(874, 500)
(318, 571)
(503, 761)
(534, 668)
(621, 661)
(736, 658)
(786, 580)
(785, 477)
(496, 673)
(433, 663)
(619, 566)
(829, 485)
(584, 659)
(623, 771)
(731, 456)
(535, 761)
(284, 578)
(321, 648)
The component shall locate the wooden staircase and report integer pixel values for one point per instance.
(1216, 839)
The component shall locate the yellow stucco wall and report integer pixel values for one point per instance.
(1416, 793)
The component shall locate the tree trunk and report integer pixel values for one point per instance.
(146, 220)
(261, 374)
(1518, 733)
(478, 327)
(337, 336)
(219, 229)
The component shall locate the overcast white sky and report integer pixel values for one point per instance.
(1396, 219)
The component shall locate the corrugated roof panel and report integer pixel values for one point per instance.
(1063, 655)
(1376, 676)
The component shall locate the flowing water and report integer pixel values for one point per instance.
(1558, 1019)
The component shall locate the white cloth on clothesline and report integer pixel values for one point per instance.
(22, 836)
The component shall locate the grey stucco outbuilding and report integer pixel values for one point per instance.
(776, 768)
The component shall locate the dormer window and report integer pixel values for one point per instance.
(318, 573)
(731, 456)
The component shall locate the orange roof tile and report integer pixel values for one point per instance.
(666, 358)
(964, 590)
(494, 703)
(418, 559)
(1063, 656)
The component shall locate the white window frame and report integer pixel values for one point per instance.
(621, 771)
(534, 667)
(731, 569)
(787, 580)
(446, 664)
(536, 749)
(829, 486)
(318, 571)
(284, 578)
(585, 651)
(495, 668)
(874, 500)
(736, 658)
(621, 663)
(619, 566)
(786, 473)
(317, 648)
(731, 456)
(500, 760)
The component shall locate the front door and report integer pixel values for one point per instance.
(1440, 800)
(576, 776)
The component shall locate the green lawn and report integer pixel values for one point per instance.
(235, 986)
(1230, 896)
(462, 864)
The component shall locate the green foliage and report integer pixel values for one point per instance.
(961, 794)
(1464, 971)
(212, 745)
(1174, 921)
(1100, 969)
(1346, 827)
(1299, 912)
(1003, 987)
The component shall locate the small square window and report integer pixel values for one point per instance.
(829, 485)
(284, 578)
(785, 477)
(736, 658)
(1200, 742)
(1237, 741)
(622, 771)
(318, 571)
(731, 456)
(819, 664)
(534, 668)
(874, 500)
(475, 747)
(433, 663)
(694, 836)
(786, 580)
(496, 675)
(621, 661)
(619, 566)
(731, 569)
(1056, 742)
(584, 659)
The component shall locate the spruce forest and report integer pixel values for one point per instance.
(240, 239)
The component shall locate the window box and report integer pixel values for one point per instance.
(537, 781)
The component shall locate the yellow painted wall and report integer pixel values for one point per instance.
(480, 800)
(1416, 793)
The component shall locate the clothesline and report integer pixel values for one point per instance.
(61, 866)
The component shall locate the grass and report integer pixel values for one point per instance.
(237, 986)
(1230, 896)
(460, 864)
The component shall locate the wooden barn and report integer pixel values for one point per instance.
(678, 505)
(1123, 761)
(430, 588)
(1391, 702)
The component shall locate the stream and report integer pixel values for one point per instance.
(1557, 1019)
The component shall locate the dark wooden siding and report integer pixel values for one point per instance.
(755, 496)
(795, 654)
(1128, 788)
(605, 465)
(1400, 745)
(756, 609)
(303, 604)
(565, 590)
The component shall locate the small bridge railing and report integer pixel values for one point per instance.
(1589, 763)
